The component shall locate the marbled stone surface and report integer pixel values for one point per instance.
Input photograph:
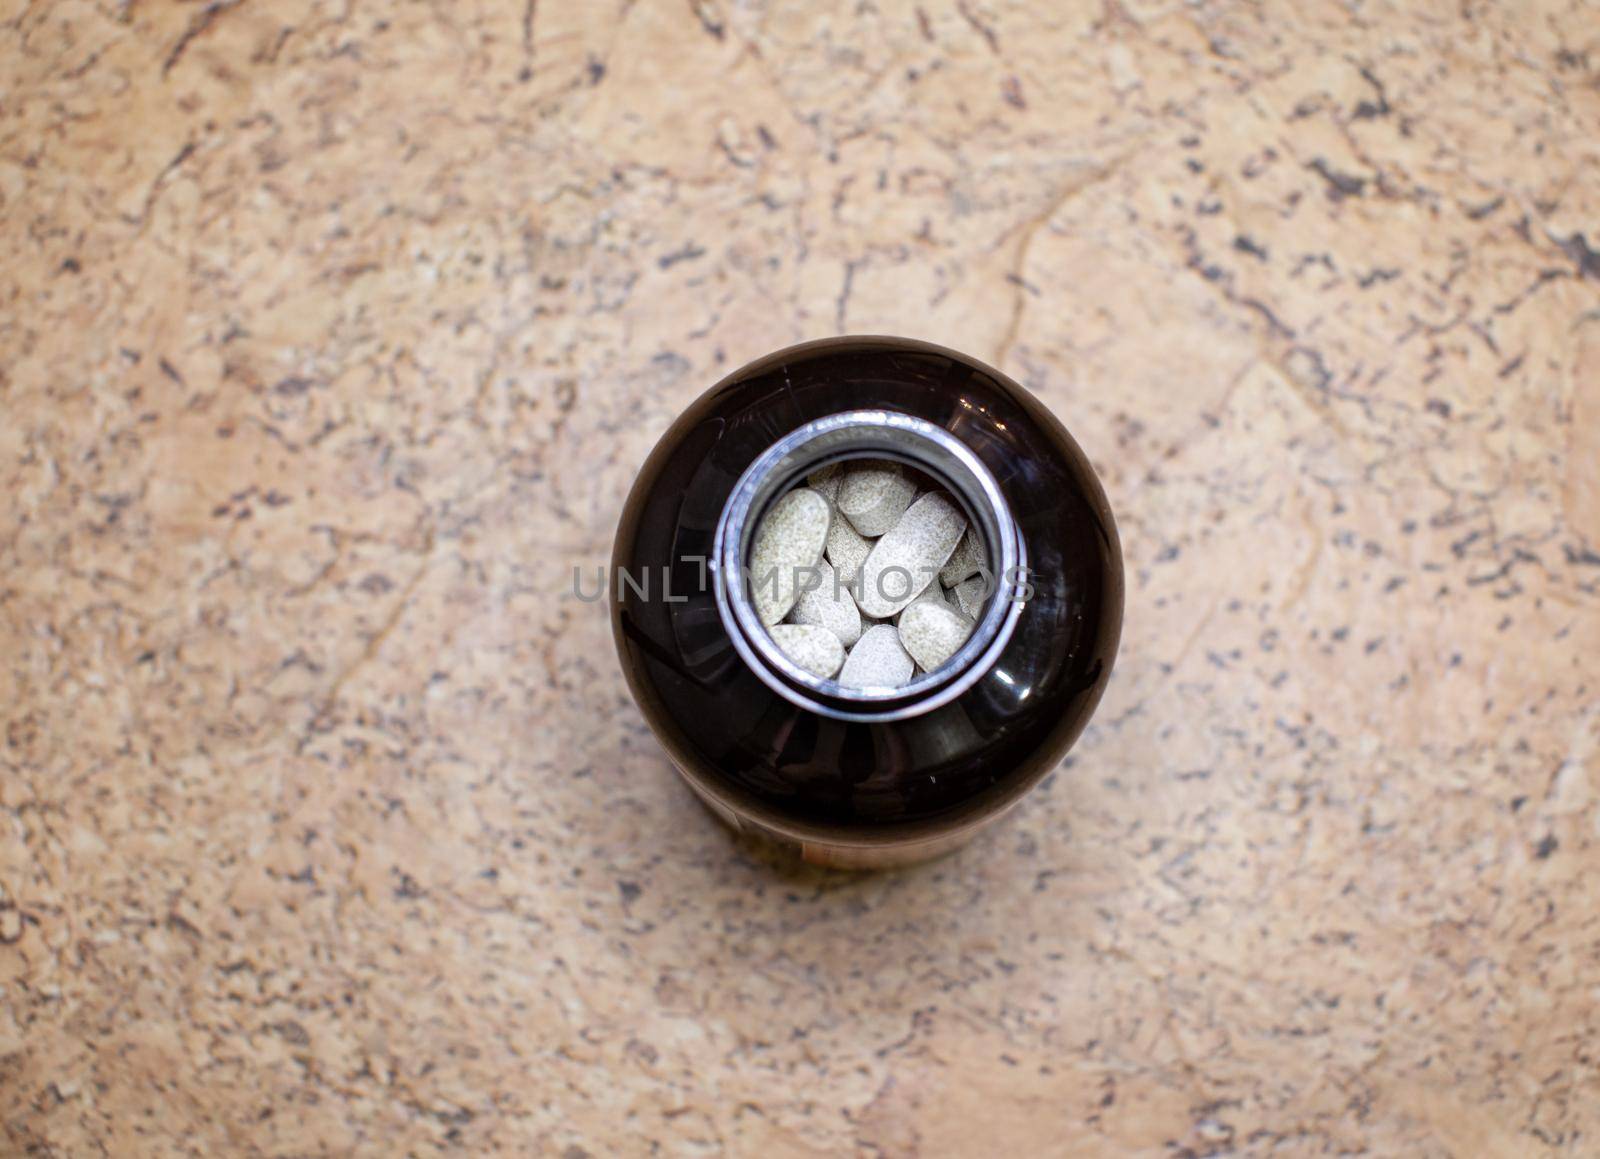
(332, 336)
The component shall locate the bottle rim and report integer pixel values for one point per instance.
(838, 438)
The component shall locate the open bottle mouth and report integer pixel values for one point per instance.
(854, 435)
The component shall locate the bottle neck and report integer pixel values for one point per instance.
(870, 435)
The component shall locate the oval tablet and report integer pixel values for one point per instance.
(931, 633)
(873, 496)
(814, 649)
(932, 594)
(971, 593)
(967, 558)
(846, 550)
(825, 480)
(787, 544)
(877, 660)
(908, 558)
(827, 604)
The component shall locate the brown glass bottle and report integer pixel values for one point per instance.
(892, 777)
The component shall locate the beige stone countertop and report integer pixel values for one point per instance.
(331, 336)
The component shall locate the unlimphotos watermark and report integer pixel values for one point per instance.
(677, 585)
